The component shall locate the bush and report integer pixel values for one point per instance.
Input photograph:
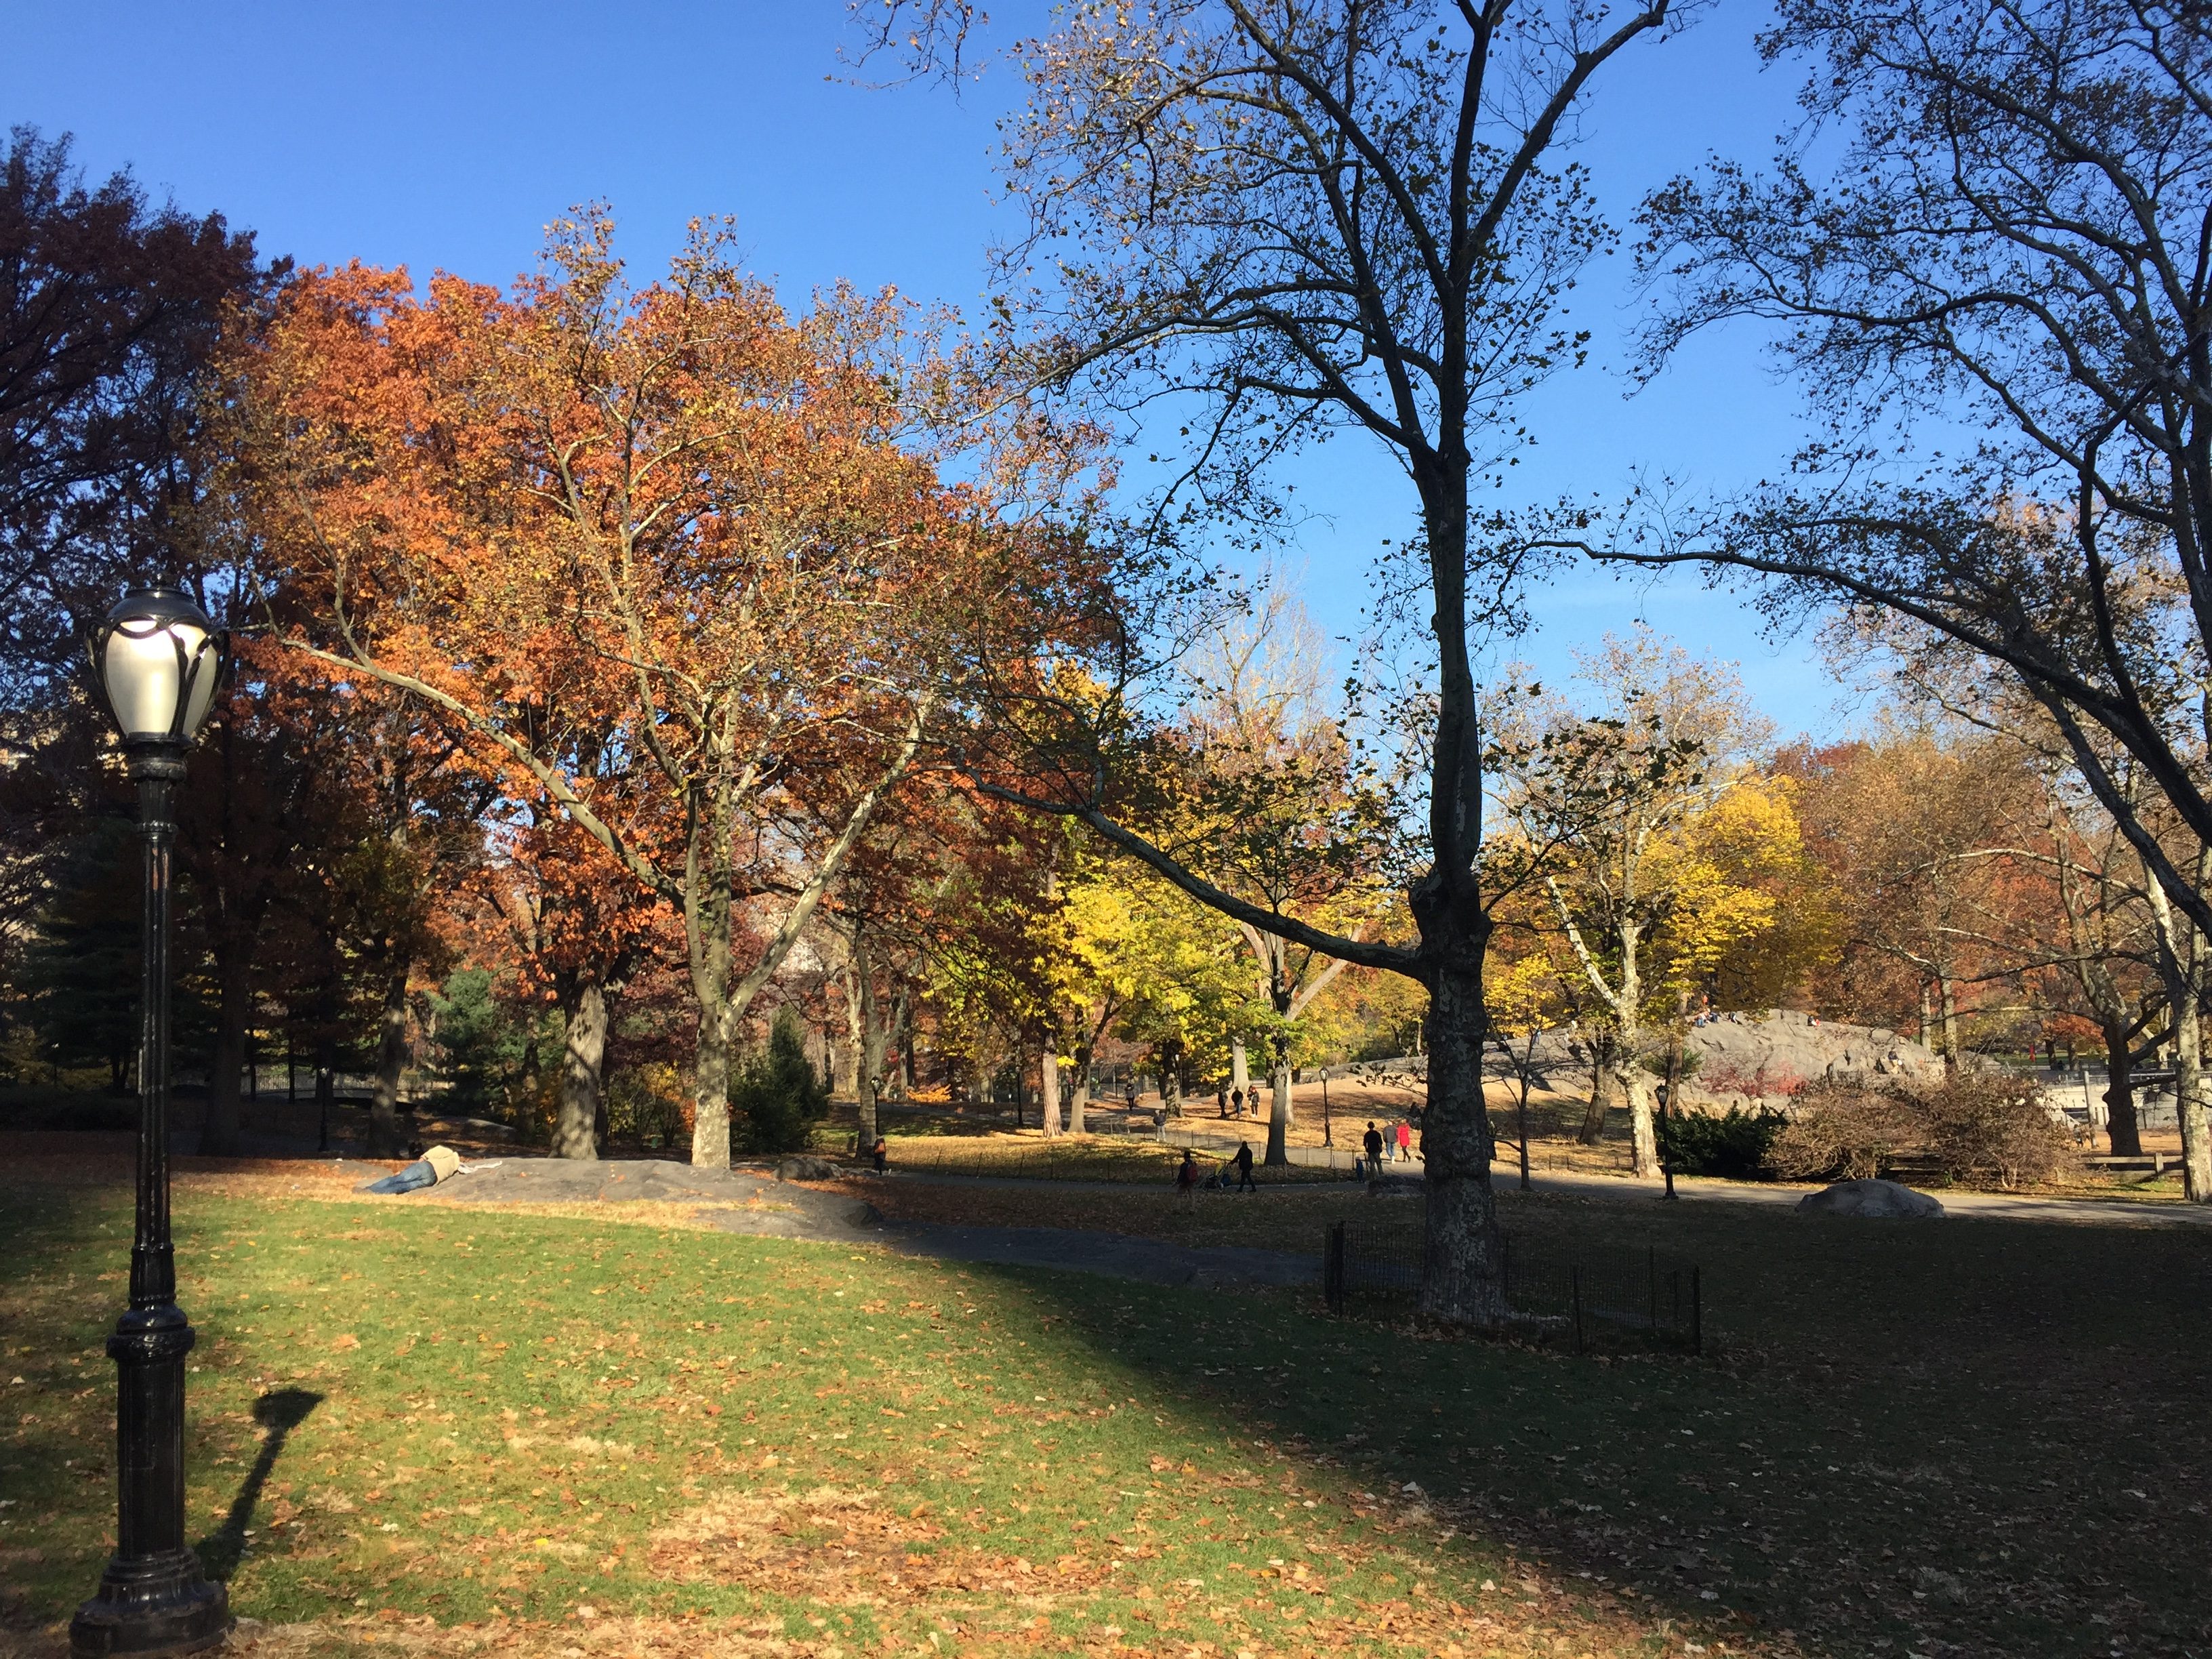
(1984, 1126)
(1844, 1128)
(646, 1106)
(34, 1106)
(777, 1098)
(1978, 1127)
(1733, 1147)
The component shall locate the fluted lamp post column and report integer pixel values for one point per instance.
(157, 661)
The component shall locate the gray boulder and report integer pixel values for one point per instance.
(1883, 1198)
(800, 1166)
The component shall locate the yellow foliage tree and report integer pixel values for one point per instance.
(1660, 855)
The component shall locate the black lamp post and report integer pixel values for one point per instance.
(157, 661)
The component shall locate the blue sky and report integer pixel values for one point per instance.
(445, 137)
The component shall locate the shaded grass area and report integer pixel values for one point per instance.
(1916, 1439)
(1987, 1433)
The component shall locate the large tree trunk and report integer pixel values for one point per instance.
(1049, 1091)
(1463, 1250)
(1240, 1067)
(384, 1139)
(902, 1049)
(1950, 995)
(2189, 1097)
(583, 1058)
(1601, 1099)
(710, 1087)
(2189, 1064)
(844, 1066)
(1079, 1090)
(707, 938)
(841, 1060)
(1642, 1131)
(858, 1013)
(220, 1130)
(868, 1071)
(1636, 1089)
(2182, 967)
(2120, 1125)
(1278, 1113)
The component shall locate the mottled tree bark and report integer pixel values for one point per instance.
(2120, 1125)
(1462, 1249)
(583, 1058)
(1049, 1091)
(1601, 1097)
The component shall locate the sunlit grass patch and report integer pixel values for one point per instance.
(494, 1422)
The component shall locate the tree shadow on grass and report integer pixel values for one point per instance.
(1890, 1451)
(278, 1412)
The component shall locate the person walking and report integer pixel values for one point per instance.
(1186, 1180)
(1236, 1101)
(1244, 1182)
(882, 1152)
(1373, 1140)
(1404, 1143)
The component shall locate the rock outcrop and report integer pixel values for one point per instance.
(1881, 1200)
(1746, 1060)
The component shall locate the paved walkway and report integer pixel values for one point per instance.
(1625, 1189)
(752, 1201)
(1997, 1206)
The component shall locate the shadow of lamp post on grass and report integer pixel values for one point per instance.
(157, 663)
(279, 1413)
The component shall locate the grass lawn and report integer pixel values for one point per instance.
(1914, 1442)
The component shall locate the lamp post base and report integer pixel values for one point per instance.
(153, 1604)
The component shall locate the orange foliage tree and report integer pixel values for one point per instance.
(580, 926)
(675, 562)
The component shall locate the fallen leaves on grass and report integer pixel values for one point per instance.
(846, 1545)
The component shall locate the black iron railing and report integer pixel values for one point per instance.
(1632, 1299)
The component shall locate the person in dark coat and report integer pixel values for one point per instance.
(1244, 1182)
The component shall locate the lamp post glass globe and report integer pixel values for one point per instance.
(158, 662)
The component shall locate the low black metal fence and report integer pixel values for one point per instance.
(1639, 1298)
